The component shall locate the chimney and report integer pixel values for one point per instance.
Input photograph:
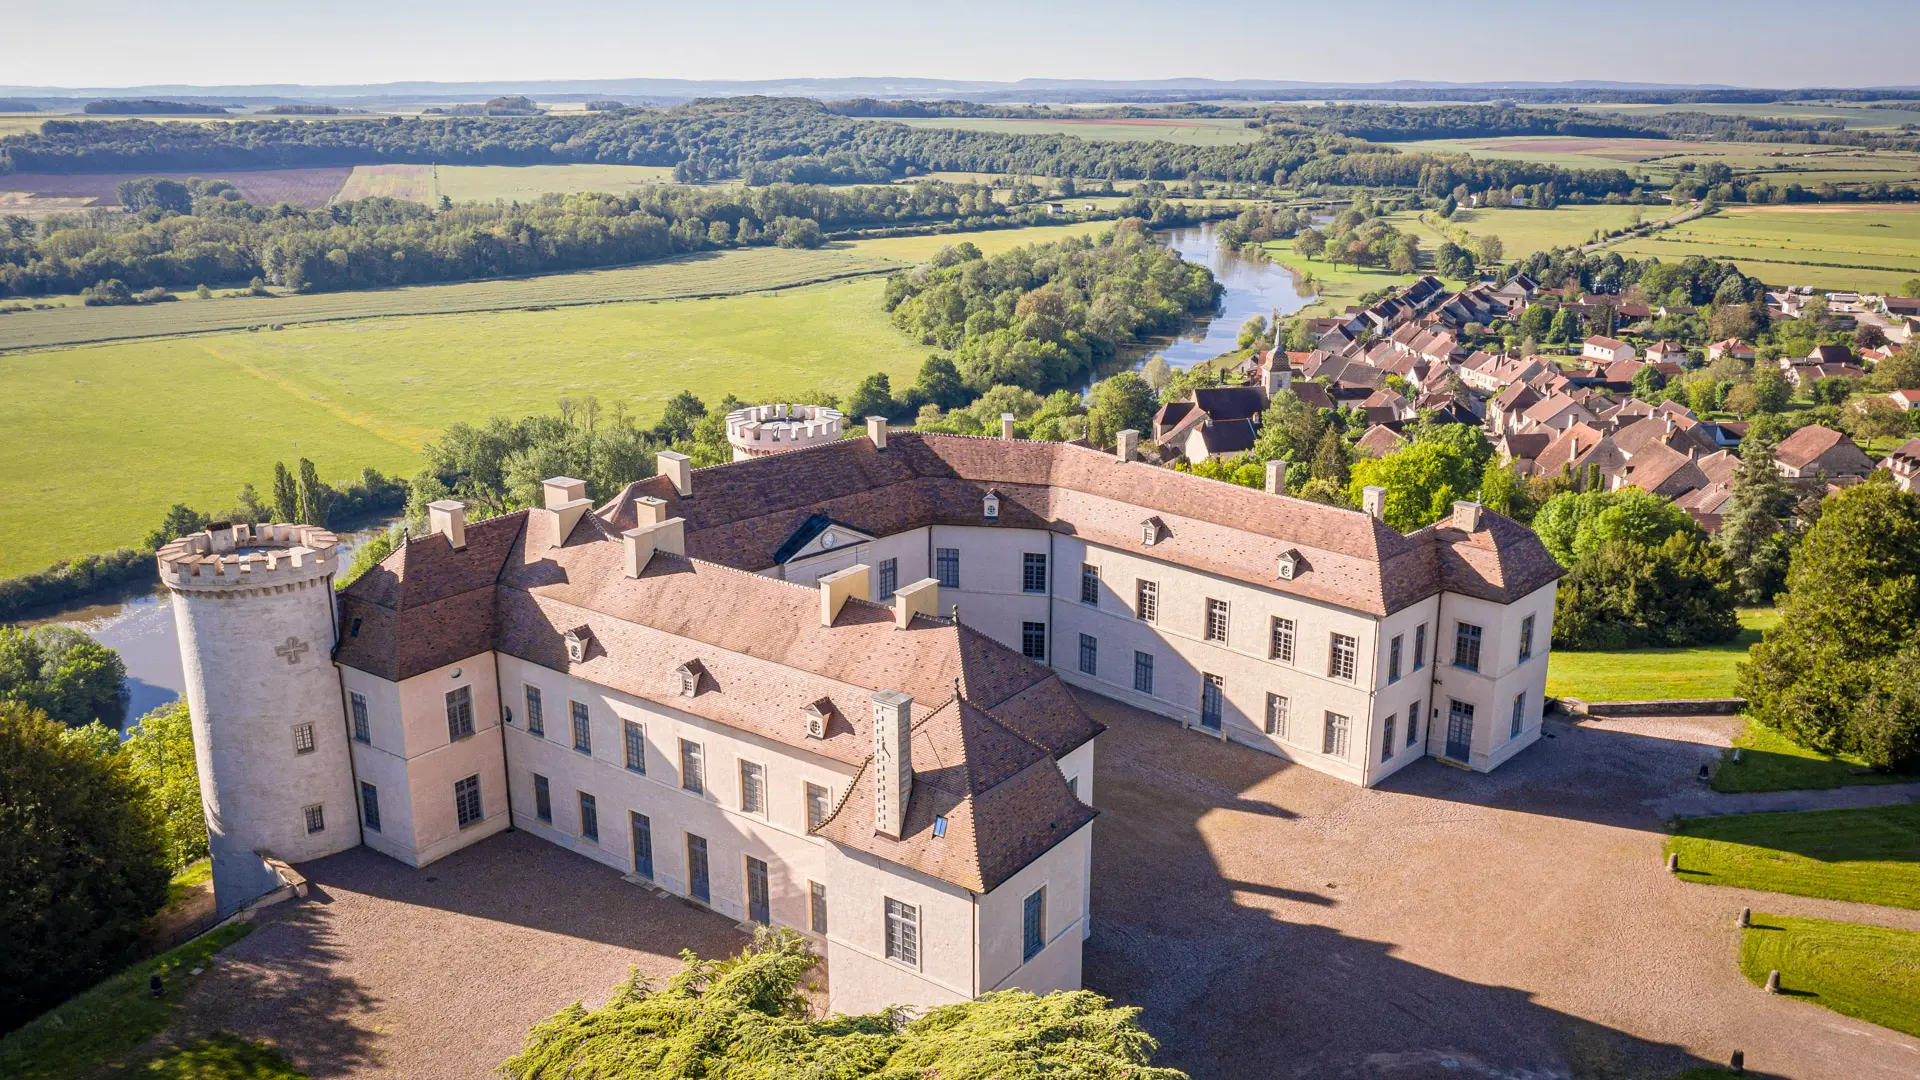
(1669, 423)
(1573, 449)
(678, 468)
(1466, 516)
(642, 542)
(892, 761)
(836, 587)
(566, 501)
(1125, 444)
(1276, 477)
(648, 510)
(1373, 499)
(448, 517)
(920, 598)
(877, 431)
(1006, 426)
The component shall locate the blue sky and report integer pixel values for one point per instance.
(1749, 42)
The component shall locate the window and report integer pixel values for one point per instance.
(817, 806)
(582, 727)
(1033, 924)
(1212, 697)
(362, 728)
(903, 933)
(642, 829)
(939, 827)
(698, 885)
(636, 741)
(1526, 639)
(753, 788)
(889, 578)
(1393, 659)
(816, 907)
(370, 806)
(1089, 655)
(1466, 646)
(1143, 672)
(303, 738)
(1033, 572)
(589, 818)
(1146, 606)
(1282, 647)
(459, 713)
(946, 562)
(542, 799)
(692, 776)
(1090, 584)
(759, 909)
(1413, 723)
(1341, 654)
(1519, 714)
(1335, 740)
(536, 721)
(1386, 741)
(1216, 629)
(316, 819)
(1420, 646)
(466, 800)
(1033, 640)
(1279, 711)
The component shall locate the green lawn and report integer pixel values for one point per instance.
(1869, 856)
(109, 1022)
(1769, 762)
(1335, 287)
(1842, 247)
(1704, 671)
(222, 1057)
(1867, 972)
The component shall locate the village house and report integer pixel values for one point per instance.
(1904, 464)
(1817, 451)
(1733, 347)
(1606, 349)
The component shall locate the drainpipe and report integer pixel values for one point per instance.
(506, 775)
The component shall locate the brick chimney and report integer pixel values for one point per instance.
(1276, 477)
(640, 543)
(448, 517)
(1373, 499)
(1125, 444)
(920, 598)
(877, 431)
(837, 587)
(892, 761)
(678, 468)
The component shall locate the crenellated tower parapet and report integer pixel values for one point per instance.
(759, 430)
(235, 559)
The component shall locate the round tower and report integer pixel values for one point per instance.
(759, 430)
(255, 611)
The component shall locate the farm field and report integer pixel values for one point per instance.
(262, 187)
(913, 249)
(486, 183)
(1523, 232)
(1197, 132)
(1868, 247)
(715, 273)
(111, 435)
(1854, 115)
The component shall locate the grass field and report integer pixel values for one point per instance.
(1867, 972)
(1523, 232)
(1197, 131)
(1705, 671)
(1335, 287)
(914, 249)
(1769, 762)
(486, 183)
(1844, 247)
(1868, 856)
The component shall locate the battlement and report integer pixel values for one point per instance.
(759, 430)
(249, 557)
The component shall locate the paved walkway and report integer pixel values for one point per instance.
(1704, 802)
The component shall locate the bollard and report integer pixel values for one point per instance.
(1736, 755)
(1746, 917)
(1673, 863)
(1705, 775)
(155, 987)
(1773, 981)
(1738, 1064)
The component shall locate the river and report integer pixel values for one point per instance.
(1249, 287)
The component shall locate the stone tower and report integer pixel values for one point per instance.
(255, 611)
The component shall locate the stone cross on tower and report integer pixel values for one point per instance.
(291, 650)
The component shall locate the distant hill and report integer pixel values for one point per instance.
(12, 105)
(150, 107)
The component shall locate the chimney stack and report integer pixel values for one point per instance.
(678, 468)
(877, 431)
(566, 501)
(640, 543)
(1373, 499)
(1276, 477)
(837, 587)
(1006, 426)
(1466, 516)
(920, 598)
(892, 761)
(1125, 444)
(648, 510)
(448, 517)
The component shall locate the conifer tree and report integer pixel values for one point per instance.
(1754, 536)
(286, 495)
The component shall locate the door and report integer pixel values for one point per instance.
(1459, 730)
(1210, 701)
(697, 884)
(642, 846)
(757, 908)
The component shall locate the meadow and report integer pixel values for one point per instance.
(1704, 671)
(1197, 131)
(1870, 247)
(914, 249)
(488, 183)
(1522, 231)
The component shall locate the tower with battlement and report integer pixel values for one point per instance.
(760, 430)
(255, 611)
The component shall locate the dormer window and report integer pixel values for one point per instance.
(816, 716)
(578, 640)
(690, 673)
(1290, 564)
(1151, 530)
(991, 505)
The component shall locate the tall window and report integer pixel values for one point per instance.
(889, 578)
(1089, 655)
(582, 727)
(698, 885)
(1393, 660)
(1282, 646)
(816, 907)
(1342, 653)
(1146, 605)
(1279, 711)
(1519, 715)
(635, 738)
(536, 720)
(1413, 723)
(303, 738)
(642, 829)
(946, 563)
(1526, 639)
(1420, 646)
(903, 932)
(1033, 640)
(542, 799)
(316, 816)
(1212, 699)
(589, 818)
(1386, 740)
(1090, 584)
(759, 906)
(1217, 621)
(362, 728)
(816, 806)
(370, 806)
(466, 800)
(1033, 572)
(1143, 673)
(753, 788)
(693, 775)
(1033, 924)
(1339, 729)
(459, 713)
(1466, 646)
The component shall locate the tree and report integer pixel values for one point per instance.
(1754, 537)
(1311, 243)
(181, 520)
(939, 382)
(746, 1017)
(1491, 249)
(1771, 390)
(1330, 460)
(286, 495)
(1121, 402)
(159, 193)
(1868, 337)
(873, 397)
(1901, 371)
(677, 418)
(1874, 417)
(1648, 382)
(1625, 593)
(1911, 288)
(159, 753)
(63, 673)
(1157, 372)
(1574, 524)
(1565, 326)
(1504, 490)
(314, 497)
(1741, 399)
(1423, 479)
(82, 863)
(1536, 323)
(1251, 332)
